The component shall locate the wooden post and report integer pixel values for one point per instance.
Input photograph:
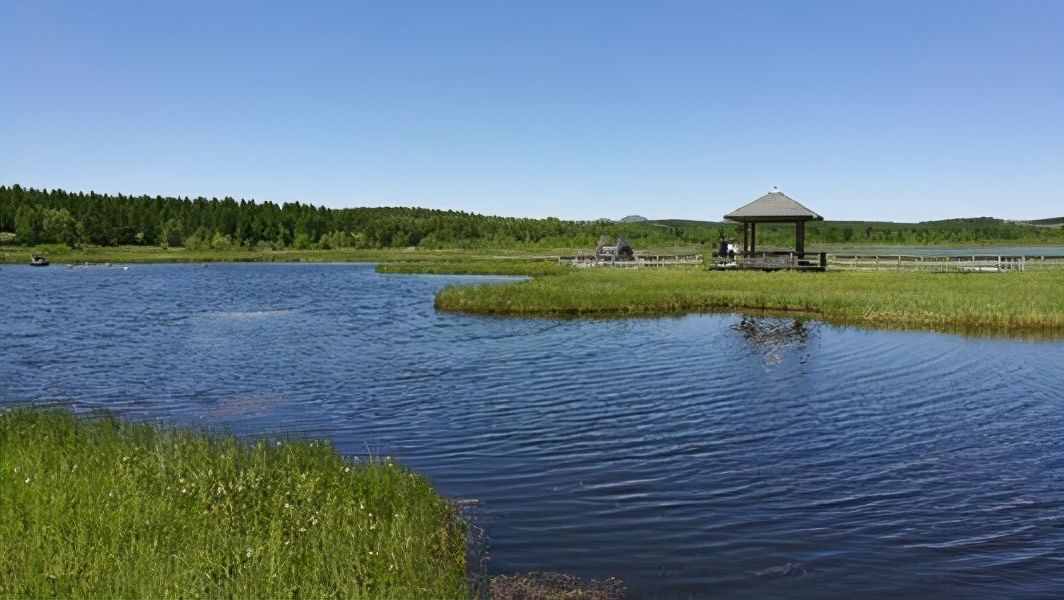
(746, 239)
(799, 238)
(753, 238)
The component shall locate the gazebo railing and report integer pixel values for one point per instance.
(777, 261)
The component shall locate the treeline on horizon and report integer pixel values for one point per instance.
(41, 216)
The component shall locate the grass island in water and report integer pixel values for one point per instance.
(1032, 301)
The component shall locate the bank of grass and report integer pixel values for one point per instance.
(59, 254)
(983, 301)
(106, 509)
(153, 254)
(474, 266)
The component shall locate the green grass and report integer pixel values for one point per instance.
(998, 301)
(106, 509)
(470, 266)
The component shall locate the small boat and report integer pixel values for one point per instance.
(39, 261)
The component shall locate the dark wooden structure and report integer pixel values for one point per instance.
(774, 207)
(621, 251)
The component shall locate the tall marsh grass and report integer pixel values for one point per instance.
(994, 301)
(106, 509)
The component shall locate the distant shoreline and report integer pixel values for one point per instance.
(154, 254)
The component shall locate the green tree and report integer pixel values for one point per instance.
(199, 240)
(27, 225)
(60, 226)
(302, 241)
(172, 234)
(221, 241)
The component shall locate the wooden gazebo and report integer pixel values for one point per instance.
(774, 207)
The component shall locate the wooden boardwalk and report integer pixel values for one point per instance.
(944, 264)
(641, 261)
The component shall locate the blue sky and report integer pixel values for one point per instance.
(862, 110)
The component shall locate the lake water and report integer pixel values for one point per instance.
(702, 456)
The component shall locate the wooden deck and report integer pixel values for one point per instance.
(773, 261)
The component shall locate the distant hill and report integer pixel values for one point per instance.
(633, 219)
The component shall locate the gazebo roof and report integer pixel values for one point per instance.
(773, 207)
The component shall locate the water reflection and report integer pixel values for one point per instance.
(774, 338)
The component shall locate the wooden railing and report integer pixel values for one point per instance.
(773, 261)
(944, 264)
(641, 260)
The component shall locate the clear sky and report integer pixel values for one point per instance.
(862, 110)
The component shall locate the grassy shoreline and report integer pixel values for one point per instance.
(104, 508)
(527, 268)
(20, 255)
(1014, 302)
(155, 255)
(59, 254)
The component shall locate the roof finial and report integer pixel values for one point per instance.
(775, 189)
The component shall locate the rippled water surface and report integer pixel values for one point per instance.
(703, 456)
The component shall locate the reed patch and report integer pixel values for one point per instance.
(104, 508)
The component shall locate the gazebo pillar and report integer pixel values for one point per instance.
(753, 238)
(799, 238)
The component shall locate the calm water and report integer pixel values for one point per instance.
(704, 456)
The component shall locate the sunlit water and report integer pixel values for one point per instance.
(703, 456)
